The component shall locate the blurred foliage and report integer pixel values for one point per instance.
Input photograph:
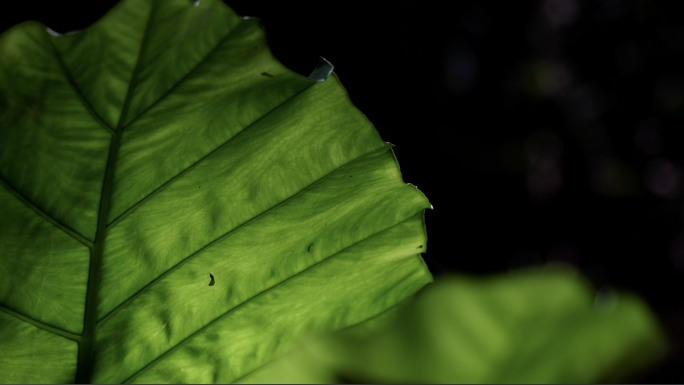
(536, 325)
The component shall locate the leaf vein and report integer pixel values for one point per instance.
(40, 325)
(187, 169)
(377, 315)
(48, 218)
(207, 246)
(87, 345)
(182, 79)
(80, 95)
(207, 326)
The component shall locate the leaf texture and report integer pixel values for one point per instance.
(149, 149)
(540, 325)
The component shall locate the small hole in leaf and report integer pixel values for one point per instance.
(267, 74)
(309, 249)
(212, 280)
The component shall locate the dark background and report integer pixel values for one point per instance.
(539, 130)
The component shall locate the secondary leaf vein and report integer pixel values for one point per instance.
(78, 91)
(40, 325)
(182, 79)
(187, 169)
(250, 221)
(48, 218)
(207, 326)
(390, 308)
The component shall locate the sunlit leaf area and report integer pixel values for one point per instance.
(538, 325)
(210, 191)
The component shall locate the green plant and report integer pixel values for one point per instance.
(164, 149)
(176, 206)
(536, 325)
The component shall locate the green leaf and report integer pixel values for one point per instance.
(165, 142)
(541, 325)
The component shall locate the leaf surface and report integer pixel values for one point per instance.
(538, 325)
(150, 150)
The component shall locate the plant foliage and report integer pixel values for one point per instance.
(164, 149)
(539, 325)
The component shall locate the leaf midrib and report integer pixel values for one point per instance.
(106, 127)
(63, 227)
(129, 210)
(87, 339)
(87, 344)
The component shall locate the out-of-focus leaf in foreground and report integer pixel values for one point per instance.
(176, 205)
(540, 325)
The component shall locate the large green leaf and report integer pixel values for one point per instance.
(540, 325)
(164, 144)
